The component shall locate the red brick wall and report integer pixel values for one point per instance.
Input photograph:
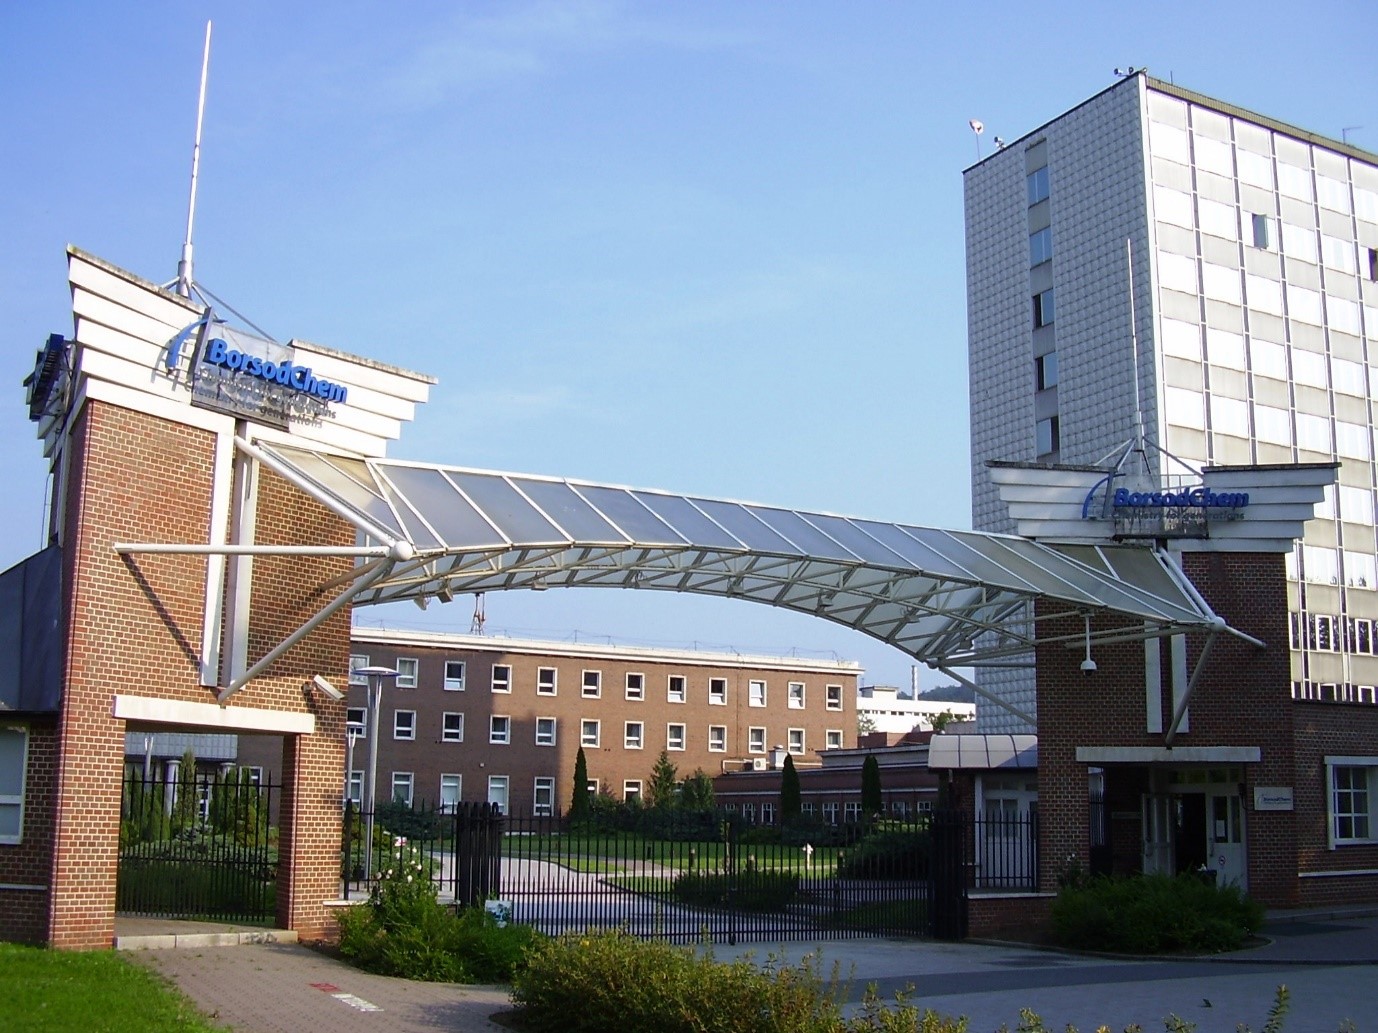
(24, 912)
(1022, 918)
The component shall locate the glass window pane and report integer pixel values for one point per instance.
(746, 528)
(680, 514)
(563, 505)
(631, 517)
(506, 507)
(454, 520)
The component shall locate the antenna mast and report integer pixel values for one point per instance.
(1138, 445)
(184, 281)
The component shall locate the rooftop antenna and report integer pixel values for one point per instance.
(1134, 351)
(480, 618)
(183, 283)
(977, 127)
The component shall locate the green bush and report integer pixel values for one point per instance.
(744, 891)
(890, 853)
(1154, 914)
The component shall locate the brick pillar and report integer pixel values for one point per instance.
(310, 829)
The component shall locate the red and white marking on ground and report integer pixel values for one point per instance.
(357, 1003)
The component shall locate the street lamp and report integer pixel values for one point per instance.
(376, 676)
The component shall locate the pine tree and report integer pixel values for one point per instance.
(791, 794)
(579, 803)
(661, 790)
(872, 802)
(697, 792)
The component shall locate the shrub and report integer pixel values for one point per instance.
(1154, 914)
(890, 853)
(744, 891)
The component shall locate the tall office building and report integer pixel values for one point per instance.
(1254, 251)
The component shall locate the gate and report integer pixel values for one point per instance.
(197, 846)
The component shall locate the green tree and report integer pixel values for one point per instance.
(791, 794)
(579, 803)
(941, 721)
(872, 802)
(661, 790)
(184, 808)
(697, 792)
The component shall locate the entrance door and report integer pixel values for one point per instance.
(1158, 818)
(1225, 838)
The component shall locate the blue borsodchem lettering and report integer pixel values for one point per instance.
(1200, 498)
(288, 374)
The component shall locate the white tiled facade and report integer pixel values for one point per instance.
(1255, 254)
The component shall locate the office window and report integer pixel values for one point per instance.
(406, 672)
(454, 675)
(631, 790)
(451, 726)
(756, 740)
(796, 695)
(404, 724)
(756, 693)
(1047, 436)
(768, 814)
(833, 697)
(1041, 246)
(545, 731)
(593, 684)
(543, 796)
(1038, 185)
(502, 678)
(636, 686)
(497, 792)
(674, 737)
(851, 811)
(450, 787)
(357, 661)
(545, 681)
(796, 740)
(676, 689)
(590, 732)
(14, 750)
(356, 721)
(1373, 263)
(633, 735)
(832, 739)
(1351, 793)
(717, 738)
(402, 787)
(717, 691)
(1044, 309)
(1045, 371)
(354, 791)
(499, 730)
(808, 807)
(593, 787)
(830, 813)
(1262, 230)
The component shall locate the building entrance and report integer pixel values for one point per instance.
(1197, 825)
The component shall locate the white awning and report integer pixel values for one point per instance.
(983, 753)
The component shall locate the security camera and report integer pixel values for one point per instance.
(323, 683)
(1088, 667)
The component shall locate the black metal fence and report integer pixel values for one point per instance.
(1006, 852)
(198, 846)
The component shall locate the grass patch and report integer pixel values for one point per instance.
(615, 852)
(47, 991)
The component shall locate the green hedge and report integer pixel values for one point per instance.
(744, 891)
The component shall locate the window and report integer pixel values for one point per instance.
(14, 749)
(543, 797)
(674, 737)
(1045, 371)
(545, 681)
(756, 693)
(406, 672)
(1373, 263)
(756, 740)
(631, 790)
(1047, 436)
(796, 695)
(593, 787)
(717, 691)
(675, 691)
(1043, 308)
(356, 721)
(832, 739)
(1351, 793)
(354, 791)
(450, 791)
(1041, 246)
(499, 730)
(1262, 227)
(545, 731)
(796, 740)
(402, 787)
(404, 724)
(502, 678)
(593, 684)
(808, 807)
(830, 813)
(636, 686)
(451, 726)
(357, 662)
(633, 734)
(851, 811)
(833, 697)
(717, 738)
(589, 733)
(497, 792)
(768, 814)
(1038, 185)
(454, 675)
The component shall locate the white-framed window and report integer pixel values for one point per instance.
(833, 697)
(767, 813)
(717, 738)
(502, 678)
(357, 662)
(676, 689)
(633, 735)
(546, 683)
(354, 790)
(749, 811)
(452, 726)
(830, 813)
(636, 686)
(851, 811)
(545, 731)
(631, 790)
(756, 693)
(593, 787)
(255, 774)
(590, 732)
(497, 792)
(404, 724)
(450, 790)
(796, 695)
(407, 666)
(543, 796)
(14, 753)
(356, 721)
(454, 675)
(402, 784)
(808, 807)
(796, 740)
(674, 737)
(717, 692)
(832, 739)
(499, 730)
(1352, 787)
(593, 684)
(756, 739)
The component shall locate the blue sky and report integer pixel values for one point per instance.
(714, 247)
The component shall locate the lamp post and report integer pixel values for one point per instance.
(376, 676)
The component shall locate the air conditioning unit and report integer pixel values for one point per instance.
(760, 764)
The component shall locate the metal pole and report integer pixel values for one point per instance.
(375, 700)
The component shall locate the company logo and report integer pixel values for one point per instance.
(1200, 498)
(299, 378)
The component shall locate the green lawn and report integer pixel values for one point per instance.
(626, 851)
(45, 991)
